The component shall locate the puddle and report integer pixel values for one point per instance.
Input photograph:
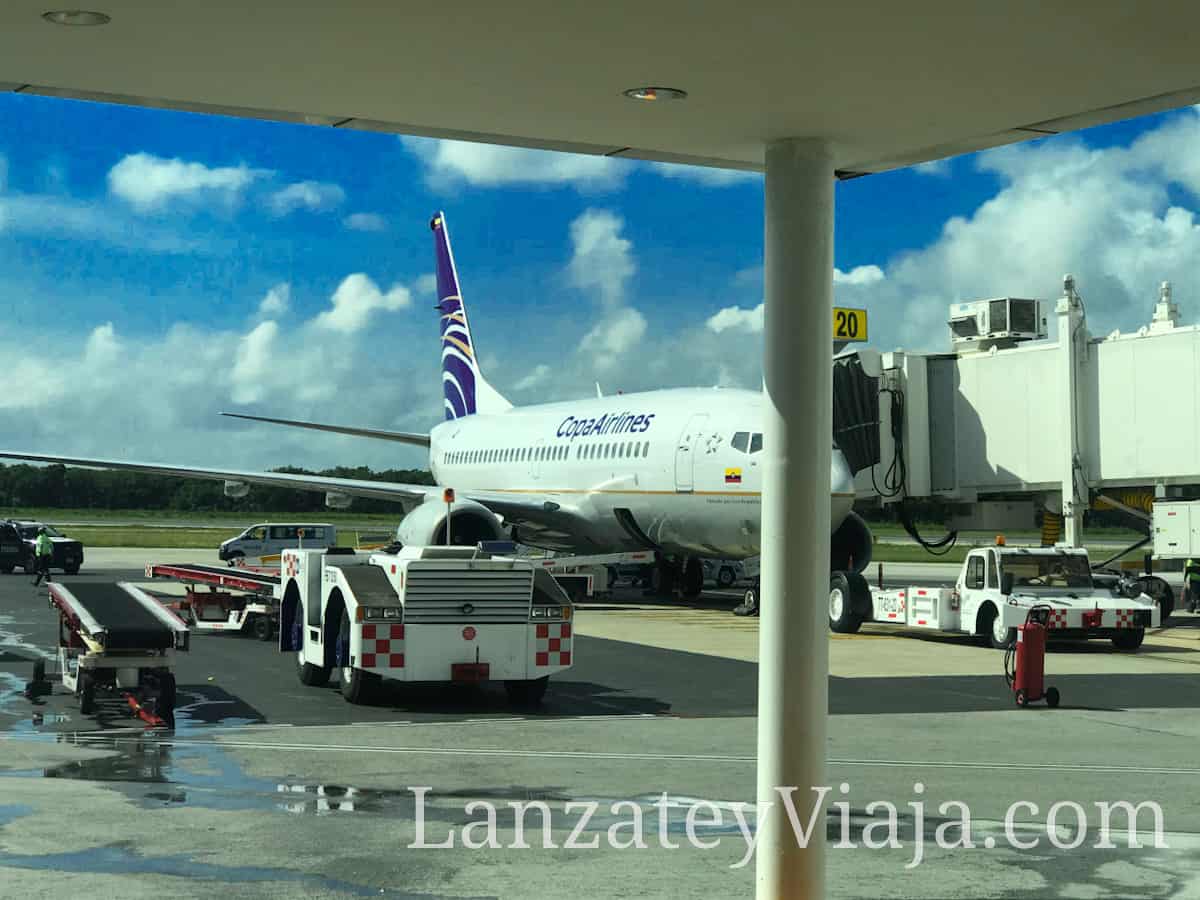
(11, 641)
(13, 812)
(151, 772)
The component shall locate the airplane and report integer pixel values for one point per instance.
(677, 471)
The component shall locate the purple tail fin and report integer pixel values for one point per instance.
(464, 389)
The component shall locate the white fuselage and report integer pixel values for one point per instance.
(686, 464)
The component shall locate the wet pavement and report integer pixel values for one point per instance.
(268, 788)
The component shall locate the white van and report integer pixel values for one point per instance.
(262, 544)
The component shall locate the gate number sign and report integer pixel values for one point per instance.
(849, 324)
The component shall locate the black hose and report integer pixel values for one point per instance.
(895, 481)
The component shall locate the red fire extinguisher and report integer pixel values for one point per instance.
(1025, 661)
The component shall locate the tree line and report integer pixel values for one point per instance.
(62, 487)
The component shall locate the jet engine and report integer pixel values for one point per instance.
(850, 546)
(236, 489)
(470, 523)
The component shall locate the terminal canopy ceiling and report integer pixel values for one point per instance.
(890, 83)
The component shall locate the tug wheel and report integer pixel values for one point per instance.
(358, 686)
(261, 627)
(313, 676)
(1052, 697)
(527, 693)
(1128, 639)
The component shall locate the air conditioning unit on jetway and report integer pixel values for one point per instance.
(999, 322)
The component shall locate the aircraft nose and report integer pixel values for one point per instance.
(841, 486)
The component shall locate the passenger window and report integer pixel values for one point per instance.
(637, 449)
(279, 533)
(646, 449)
(741, 441)
(975, 573)
(755, 442)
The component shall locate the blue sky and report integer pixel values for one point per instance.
(157, 267)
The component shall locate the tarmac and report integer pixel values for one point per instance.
(269, 788)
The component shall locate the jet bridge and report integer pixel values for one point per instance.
(1013, 419)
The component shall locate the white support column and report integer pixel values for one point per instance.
(793, 667)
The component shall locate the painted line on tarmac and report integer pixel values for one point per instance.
(88, 738)
(84, 738)
(1016, 767)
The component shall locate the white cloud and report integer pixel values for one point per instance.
(735, 317)
(602, 260)
(614, 335)
(313, 196)
(425, 285)
(859, 275)
(50, 215)
(255, 359)
(365, 222)
(276, 302)
(706, 175)
(750, 319)
(539, 374)
(354, 301)
(940, 168)
(149, 182)
(489, 165)
(102, 346)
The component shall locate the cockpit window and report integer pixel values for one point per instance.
(741, 440)
(755, 442)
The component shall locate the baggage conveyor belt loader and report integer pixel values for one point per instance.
(427, 614)
(236, 600)
(116, 640)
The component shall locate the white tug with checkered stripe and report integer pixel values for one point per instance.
(996, 588)
(430, 614)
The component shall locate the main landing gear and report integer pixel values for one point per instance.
(670, 576)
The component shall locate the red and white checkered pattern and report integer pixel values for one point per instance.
(553, 644)
(1125, 618)
(383, 646)
(1057, 619)
(292, 566)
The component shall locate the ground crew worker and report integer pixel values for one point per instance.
(43, 553)
(1191, 583)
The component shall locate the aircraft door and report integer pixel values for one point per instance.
(685, 452)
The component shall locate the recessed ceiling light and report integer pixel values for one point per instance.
(655, 93)
(76, 17)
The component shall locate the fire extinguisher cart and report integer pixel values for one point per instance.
(1025, 661)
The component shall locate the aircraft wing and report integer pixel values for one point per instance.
(408, 494)
(513, 507)
(402, 437)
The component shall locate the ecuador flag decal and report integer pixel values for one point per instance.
(733, 476)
